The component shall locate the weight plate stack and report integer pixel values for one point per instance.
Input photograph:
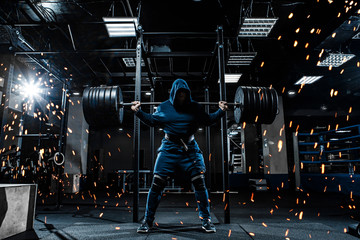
(101, 107)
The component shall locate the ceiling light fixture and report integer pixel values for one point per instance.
(241, 58)
(257, 27)
(131, 62)
(308, 80)
(232, 77)
(121, 26)
(335, 59)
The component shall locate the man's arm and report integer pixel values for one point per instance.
(210, 119)
(152, 120)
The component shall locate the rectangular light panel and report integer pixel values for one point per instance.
(121, 26)
(257, 27)
(241, 58)
(130, 62)
(308, 80)
(335, 59)
(232, 77)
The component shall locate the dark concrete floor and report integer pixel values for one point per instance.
(265, 215)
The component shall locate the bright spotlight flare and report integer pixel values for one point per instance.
(31, 89)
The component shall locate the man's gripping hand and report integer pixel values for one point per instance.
(136, 106)
(223, 105)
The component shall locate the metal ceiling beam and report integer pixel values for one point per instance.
(159, 74)
(121, 53)
(103, 52)
(125, 52)
(180, 54)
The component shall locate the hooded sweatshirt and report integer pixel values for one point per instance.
(179, 121)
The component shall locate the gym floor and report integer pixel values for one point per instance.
(264, 215)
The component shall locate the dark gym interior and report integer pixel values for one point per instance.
(76, 162)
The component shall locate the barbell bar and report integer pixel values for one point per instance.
(104, 106)
(157, 103)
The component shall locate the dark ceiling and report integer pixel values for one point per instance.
(70, 33)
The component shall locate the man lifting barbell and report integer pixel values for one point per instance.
(180, 117)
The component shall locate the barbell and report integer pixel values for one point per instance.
(104, 106)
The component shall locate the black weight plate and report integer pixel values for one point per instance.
(268, 118)
(85, 104)
(120, 109)
(107, 106)
(117, 112)
(246, 113)
(268, 106)
(264, 105)
(261, 104)
(257, 105)
(101, 105)
(99, 108)
(92, 106)
(97, 111)
(271, 102)
(275, 103)
(113, 100)
(238, 110)
(243, 113)
(253, 104)
(249, 115)
(111, 116)
(114, 105)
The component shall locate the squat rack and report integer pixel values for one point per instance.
(222, 97)
(218, 53)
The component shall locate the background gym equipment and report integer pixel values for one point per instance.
(104, 106)
(17, 208)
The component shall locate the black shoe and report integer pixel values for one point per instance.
(144, 227)
(208, 226)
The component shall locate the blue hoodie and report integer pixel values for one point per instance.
(180, 122)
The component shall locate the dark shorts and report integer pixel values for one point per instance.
(174, 159)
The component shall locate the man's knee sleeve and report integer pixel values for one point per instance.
(199, 182)
(158, 183)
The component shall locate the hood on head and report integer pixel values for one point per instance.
(179, 84)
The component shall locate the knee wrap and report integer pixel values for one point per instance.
(199, 182)
(158, 183)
